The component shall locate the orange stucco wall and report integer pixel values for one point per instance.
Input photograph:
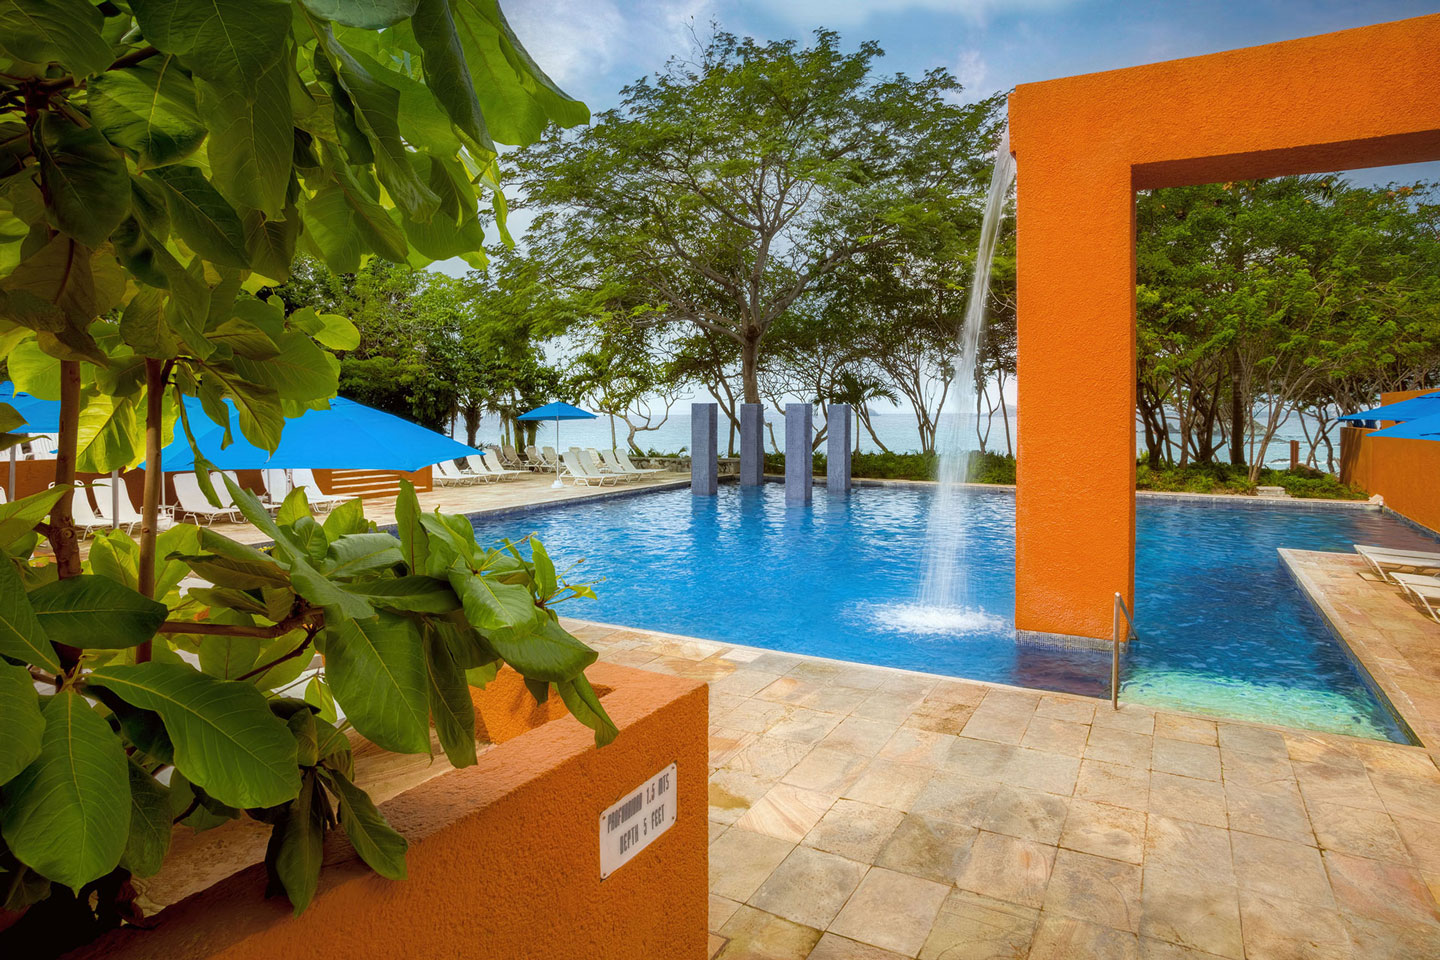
(503, 860)
(1405, 472)
(1083, 145)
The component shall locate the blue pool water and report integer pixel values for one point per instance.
(1223, 628)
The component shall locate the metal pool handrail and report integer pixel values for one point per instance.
(1130, 634)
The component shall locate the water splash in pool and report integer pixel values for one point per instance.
(945, 587)
(924, 620)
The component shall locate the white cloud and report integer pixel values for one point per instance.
(578, 44)
(854, 13)
(971, 70)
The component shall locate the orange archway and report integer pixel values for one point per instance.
(1083, 146)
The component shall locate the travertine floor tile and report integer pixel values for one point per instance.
(1389, 893)
(1104, 830)
(1106, 892)
(1255, 741)
(1007, 868)
(1186, 759)
(786, 812)
(1130, 717)
(733, 792)
(826, 769)
(756, 935)
(1281, 929)
(887, 784)
(955, 798)
(1185, 798)
(1374, 940)
(854, 829)
(886, 706)
(891, 910)
(1422, 841)
(721, 910)
(858, 735)
(1114, 745)
(1249, 770)
(768, 757)
(1279, 868)
(1061, 937)
(1027, 814)
(1182, 906)
(927, 847)
(1117, 784)
(924, 747)
(1072, 709)
(1185, 845)
(832, 947)
(975, 927)
(740, 861)
(1056, 736)
(809, 887)
(1046, 772)
(940, 716)
(1177, 727)
(804, 725)
(981, 759)
(1273, 811)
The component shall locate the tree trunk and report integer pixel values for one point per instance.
(154, 479)
(750, 366)
(62, 519)
(1237, 414)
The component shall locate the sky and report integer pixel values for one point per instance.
(593, 48)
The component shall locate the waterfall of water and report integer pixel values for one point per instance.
(945, 589)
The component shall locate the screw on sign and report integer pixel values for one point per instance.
(634, 821)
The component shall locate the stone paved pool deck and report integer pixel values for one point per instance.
(866, 813)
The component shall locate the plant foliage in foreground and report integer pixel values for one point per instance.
(161, 163)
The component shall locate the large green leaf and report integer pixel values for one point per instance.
(67, 814)
(414, 541)
(96, 612)
(549, 653)
(228, 42)
(493, 606)
(232, 564)
(329, 230)
(67, 31)
(229, 658)
(297, 844)
(149, 109)
(378, 844)
(19, 517)
(450, 704)
(109, 438)
(359, 553)
(21, 635)
(446, 72)
(81, 283)
(20, 719)
(365, 14)
(252, 138)
(376, 669)
(377, 113)
(583, 704)
(414, 594)
(150, 823)
(84, 178)
(201, 216)
(301, 371)
(226, 739)
(519, 99)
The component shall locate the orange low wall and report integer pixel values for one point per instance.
(1405, 472)
(504, 856)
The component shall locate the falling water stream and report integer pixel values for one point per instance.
(944, 604)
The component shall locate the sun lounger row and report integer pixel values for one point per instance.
(1413, 571)
(481, 470)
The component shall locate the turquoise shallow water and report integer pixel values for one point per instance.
(1223, 628)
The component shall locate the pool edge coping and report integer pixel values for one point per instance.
(1396, 698)
(1099, 701)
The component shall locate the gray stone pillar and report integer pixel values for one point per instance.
(799, 458)
(838, 443)
(752, 444)
(704, 465)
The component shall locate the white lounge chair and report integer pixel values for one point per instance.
(624, 459)
(510, 457)
(319, 501)
(536, 460)
(129, 518)
(492, 468)
(1385, 559)
(479, 470)
(551, 457)
(1425, 590)
(448, 475)
(583, 475)
(598, 464)
(191, 502)
(86, 518)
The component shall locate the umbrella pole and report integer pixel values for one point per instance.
(558, 484)
(114, 499)
(11, 489)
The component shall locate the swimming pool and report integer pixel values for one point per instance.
(1223, 628)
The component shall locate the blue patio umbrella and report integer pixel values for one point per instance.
(1413, 409)
(41, 416)
(1423, 428)
(348, 436)
(557, 411)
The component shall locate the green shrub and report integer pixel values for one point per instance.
(1224, 478)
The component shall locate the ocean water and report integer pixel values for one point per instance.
(896, 430)
(1222, 627)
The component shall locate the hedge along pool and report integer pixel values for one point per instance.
(1223, 629)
